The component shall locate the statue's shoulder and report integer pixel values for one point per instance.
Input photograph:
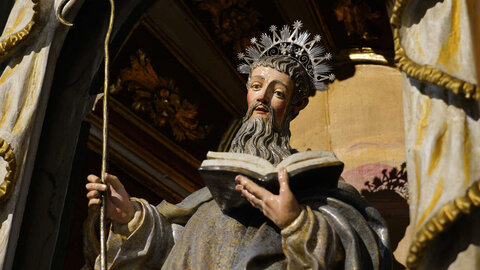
(180, 213)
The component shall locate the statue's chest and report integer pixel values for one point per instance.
(218, 241)
(211, 228)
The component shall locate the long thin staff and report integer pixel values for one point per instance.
(103, 241)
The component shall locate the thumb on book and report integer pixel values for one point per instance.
(283, 180)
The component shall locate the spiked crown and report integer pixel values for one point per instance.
(295, 45)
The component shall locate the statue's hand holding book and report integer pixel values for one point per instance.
(307, 172)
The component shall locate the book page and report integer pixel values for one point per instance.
(297, 161)
(238, 165)
(302, 156)
(316, 163)
(244, 158)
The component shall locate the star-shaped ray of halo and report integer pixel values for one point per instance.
(297, 24)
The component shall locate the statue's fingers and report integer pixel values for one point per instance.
(93, 194)
(251, 187)
(114, 182)
(254, 201)
(94, 202)
(96, 186)
(283, 181)
(239, 188)
(93, 179)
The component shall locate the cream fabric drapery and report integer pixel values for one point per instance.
(435, 51)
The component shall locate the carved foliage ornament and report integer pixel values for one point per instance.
(357, 16)
(235, 21)
(159, 98)
(6, 152)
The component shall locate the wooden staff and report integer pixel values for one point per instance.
(103, 240)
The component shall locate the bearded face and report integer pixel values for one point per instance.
(260, 136)
(265, 129)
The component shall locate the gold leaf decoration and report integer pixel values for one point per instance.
(357, 16)
(6, 152)
(440, 222)
(11, 41)
(425, 73)
(159, 98)
(235, 21)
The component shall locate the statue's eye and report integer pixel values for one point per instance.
(255, 86)
(279, 93)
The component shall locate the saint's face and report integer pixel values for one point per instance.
(272, 87)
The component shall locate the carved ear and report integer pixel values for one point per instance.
(301, 105)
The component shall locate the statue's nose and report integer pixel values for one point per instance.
(263, 96)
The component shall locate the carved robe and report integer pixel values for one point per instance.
(336, 230)
(435, 50)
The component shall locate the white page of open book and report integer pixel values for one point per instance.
(263, 167)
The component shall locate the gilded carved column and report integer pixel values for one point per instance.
(29, 46)
(435, 52)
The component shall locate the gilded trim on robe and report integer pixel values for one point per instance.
(10, 41)
(58, 13)
(440, 222)
(6, 152)
(425, 73)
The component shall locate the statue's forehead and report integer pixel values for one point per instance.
(269, 72)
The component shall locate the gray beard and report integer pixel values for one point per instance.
(261, 137)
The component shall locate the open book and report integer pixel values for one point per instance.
(308, 172)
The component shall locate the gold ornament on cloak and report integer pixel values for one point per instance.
(6, 152)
